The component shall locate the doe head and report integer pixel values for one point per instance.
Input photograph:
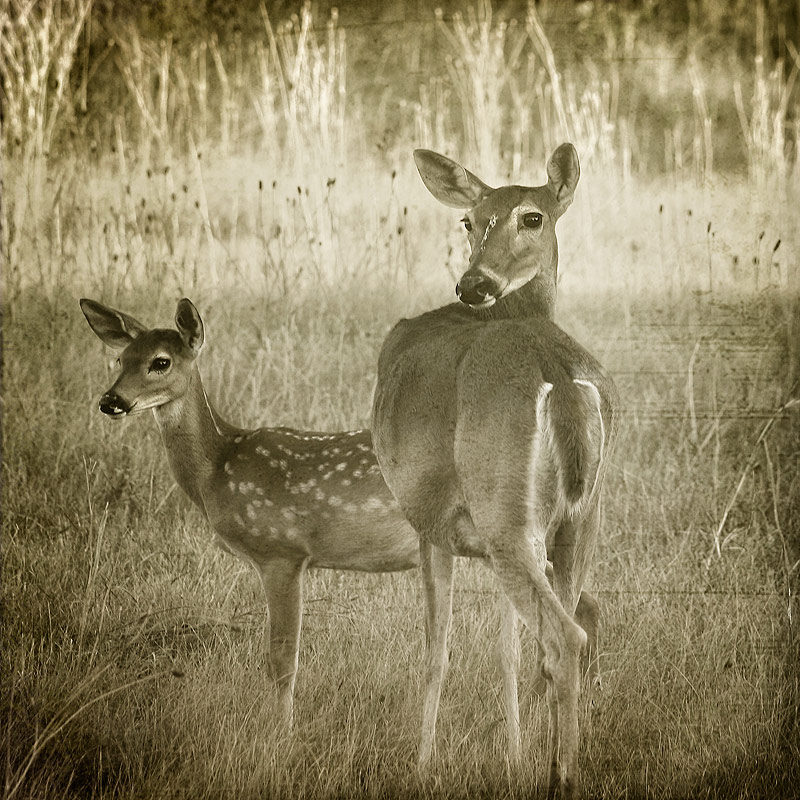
(156, 364)
(511, 229)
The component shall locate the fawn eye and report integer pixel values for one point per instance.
(533, 220)
(467, 225)
(160, 364)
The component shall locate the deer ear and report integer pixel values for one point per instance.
(112, 327)
(448, 181)
(190, 326)
(563, 172)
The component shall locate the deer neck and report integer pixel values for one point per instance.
(537, 298)
(192, 435)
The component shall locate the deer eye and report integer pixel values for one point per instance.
(533, 220)
(467, 225)
(160, 364)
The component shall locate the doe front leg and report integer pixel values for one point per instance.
(283, 583)
(437, 575)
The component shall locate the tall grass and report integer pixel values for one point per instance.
(244, 173)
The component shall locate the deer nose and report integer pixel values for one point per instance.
(113, 405)
(474, 289)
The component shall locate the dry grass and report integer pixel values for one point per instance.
(133, 655)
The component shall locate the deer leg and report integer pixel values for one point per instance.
(572, 552)
(283, 583)
(437, 575)
(587, 615)
(521, 569)
(508, 658)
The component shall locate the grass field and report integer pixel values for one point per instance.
(133, 650)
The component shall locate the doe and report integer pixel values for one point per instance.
(493, 427)
(282, 499)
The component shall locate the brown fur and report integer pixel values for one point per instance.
(483, 458)
(281, 499)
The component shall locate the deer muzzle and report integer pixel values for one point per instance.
(113, 405)
(477, 289)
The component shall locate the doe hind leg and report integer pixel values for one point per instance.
(521, 570)
(587, 615)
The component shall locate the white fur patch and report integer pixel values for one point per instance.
(598, 402)
(542, 433)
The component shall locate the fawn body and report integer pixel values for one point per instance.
(282, 499)
(492, 427)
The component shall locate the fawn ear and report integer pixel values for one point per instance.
(563, 171)
(190, 326)
(114, 328)
(448, 181)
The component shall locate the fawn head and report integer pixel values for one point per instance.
(511, 229)
(156, 364)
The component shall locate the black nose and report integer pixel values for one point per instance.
(113, 405)
(474, 288)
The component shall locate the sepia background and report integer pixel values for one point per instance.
(257, 159)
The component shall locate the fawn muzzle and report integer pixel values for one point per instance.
(113, 405)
